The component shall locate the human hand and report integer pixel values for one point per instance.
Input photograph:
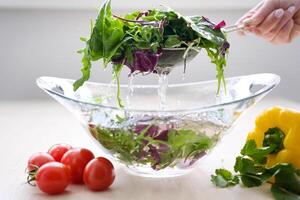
(277, 21)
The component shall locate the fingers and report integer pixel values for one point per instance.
(284, 35)
(240, 22)
(296, 29)
(274, 24)
(260, 14)
(288, 15)
(271, 22)
(248, 15)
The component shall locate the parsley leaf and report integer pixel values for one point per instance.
(248, 171)
(224, 178)
(250, 168)
(287, 178)
(287, 182)
(283, 194)
(274, 139)
(246, 165)
(257, 154)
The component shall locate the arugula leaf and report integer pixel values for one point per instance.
(224, 178)
(117, 70)
(215, 43)
(85, 70)
(220, 63)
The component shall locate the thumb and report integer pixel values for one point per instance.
(260, 14)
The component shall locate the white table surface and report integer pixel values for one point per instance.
(28, 127)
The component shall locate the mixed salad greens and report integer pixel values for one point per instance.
(138, 40)
(149, 145)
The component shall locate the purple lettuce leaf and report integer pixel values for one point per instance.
(220, 25)
(224, 47)
(144, 61)
(155, 155)
(213, 25)
(149, 149)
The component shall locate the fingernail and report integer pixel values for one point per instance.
(247, 21)
(291, 9)
(279, 13)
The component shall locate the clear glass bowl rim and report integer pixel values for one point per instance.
(262, 91)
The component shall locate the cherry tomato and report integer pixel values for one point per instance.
(38, 159)
(53, 178)
(58, 150)
(77, 159)
(99, 174)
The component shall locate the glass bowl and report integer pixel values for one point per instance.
(152, 142)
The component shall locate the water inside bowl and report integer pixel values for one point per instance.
(157, 142)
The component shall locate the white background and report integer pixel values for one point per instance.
(41, 38)
(126, 4)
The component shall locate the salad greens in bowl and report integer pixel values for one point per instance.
(150, 141)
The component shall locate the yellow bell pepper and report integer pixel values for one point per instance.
(288, 121)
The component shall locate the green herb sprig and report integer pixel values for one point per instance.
(251, 170)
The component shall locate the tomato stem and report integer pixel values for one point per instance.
(31, 175)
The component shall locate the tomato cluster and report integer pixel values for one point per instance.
(62, 164)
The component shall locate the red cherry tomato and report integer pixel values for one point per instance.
(53, 178)
(58, 150)
(77, 159)
(99, 174)
(38, 159)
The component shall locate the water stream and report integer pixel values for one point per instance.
(130, 91)
(162, 90)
